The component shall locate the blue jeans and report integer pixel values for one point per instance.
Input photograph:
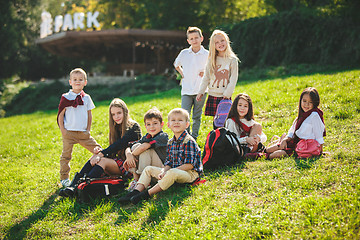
(189, 102)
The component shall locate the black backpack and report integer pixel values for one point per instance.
(91, 188)
(222, 148)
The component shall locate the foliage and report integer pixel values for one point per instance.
(14, 37)
(173, 15)
(280, 199)
(296, 37)
(20, 23)
(46, 96)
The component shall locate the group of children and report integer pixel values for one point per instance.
(154, 156)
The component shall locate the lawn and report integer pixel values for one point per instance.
(279, 199)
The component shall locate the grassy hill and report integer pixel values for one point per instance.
(279, 199)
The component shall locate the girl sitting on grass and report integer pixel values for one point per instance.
(241, 122)
(308, 125)
(122, 131)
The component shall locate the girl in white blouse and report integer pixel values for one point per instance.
(241, 122)
(308, 125)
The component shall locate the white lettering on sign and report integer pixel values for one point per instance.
(91, 19)
(58, 23)
(67, 22)
(79, 20)
(46, 25)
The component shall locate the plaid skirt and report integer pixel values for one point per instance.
(211, 105)
(291, 146)
(120, 164)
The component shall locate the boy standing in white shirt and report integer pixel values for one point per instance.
(190, 63)
(74, 120)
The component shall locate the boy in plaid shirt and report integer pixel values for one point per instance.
(183, 163)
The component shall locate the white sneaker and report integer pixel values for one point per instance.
(65, 182)
(132, 185)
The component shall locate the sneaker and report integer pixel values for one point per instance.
(67, 192)
(132, 185)
(65, 182)
(222, 112)
(140, 197)
(126, 199)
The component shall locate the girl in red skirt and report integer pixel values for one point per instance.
(221, 72)
(308, 125)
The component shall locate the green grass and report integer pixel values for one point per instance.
(280, 199)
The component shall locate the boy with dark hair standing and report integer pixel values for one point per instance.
(74, 120)
(183, 163)
(190, 63)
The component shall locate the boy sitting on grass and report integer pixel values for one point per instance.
(150, 150)
(183, 163)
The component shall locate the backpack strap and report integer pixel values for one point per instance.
(208, 148)
(235, 143)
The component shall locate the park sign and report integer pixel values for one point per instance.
(67, 22)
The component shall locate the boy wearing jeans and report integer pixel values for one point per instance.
(150, 150)
(190, 63)
(74, 120)
(183, 163)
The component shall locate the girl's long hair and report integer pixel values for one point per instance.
(213, 52)
(314, 96)
(117, 131)
(233, 113)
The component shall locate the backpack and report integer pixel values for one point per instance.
(222, 112)
(222, 148)
(91, 188)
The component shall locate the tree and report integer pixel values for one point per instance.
(14, 35)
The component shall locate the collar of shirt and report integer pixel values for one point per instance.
(73, 94)
(181, 138)
(149, 136)
(201, 51)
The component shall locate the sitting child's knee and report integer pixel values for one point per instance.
(278, 154)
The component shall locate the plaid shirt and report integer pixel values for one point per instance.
(179, 153)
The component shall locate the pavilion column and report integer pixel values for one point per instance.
(161, 60)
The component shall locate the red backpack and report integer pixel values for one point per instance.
(222, 148)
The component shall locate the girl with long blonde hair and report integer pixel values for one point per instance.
(221, 72)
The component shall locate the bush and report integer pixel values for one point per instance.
(45, 96)
(296, 37)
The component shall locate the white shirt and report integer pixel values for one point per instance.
(192, 64)
(311, 128)
(233, 127)
(76, 119)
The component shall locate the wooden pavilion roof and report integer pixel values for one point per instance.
(97, 44)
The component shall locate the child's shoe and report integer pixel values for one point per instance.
(70, 189)
(132, 185)
(67, 192)
(65, 182)
(126, 199)
(140, 197)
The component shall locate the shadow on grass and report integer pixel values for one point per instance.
(19, 230)
(159, 207)
(305, 163)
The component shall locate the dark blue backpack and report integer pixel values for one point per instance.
(222, 148)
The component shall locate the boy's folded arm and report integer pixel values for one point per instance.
(141, 148)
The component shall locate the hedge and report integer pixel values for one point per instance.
(296, 37)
